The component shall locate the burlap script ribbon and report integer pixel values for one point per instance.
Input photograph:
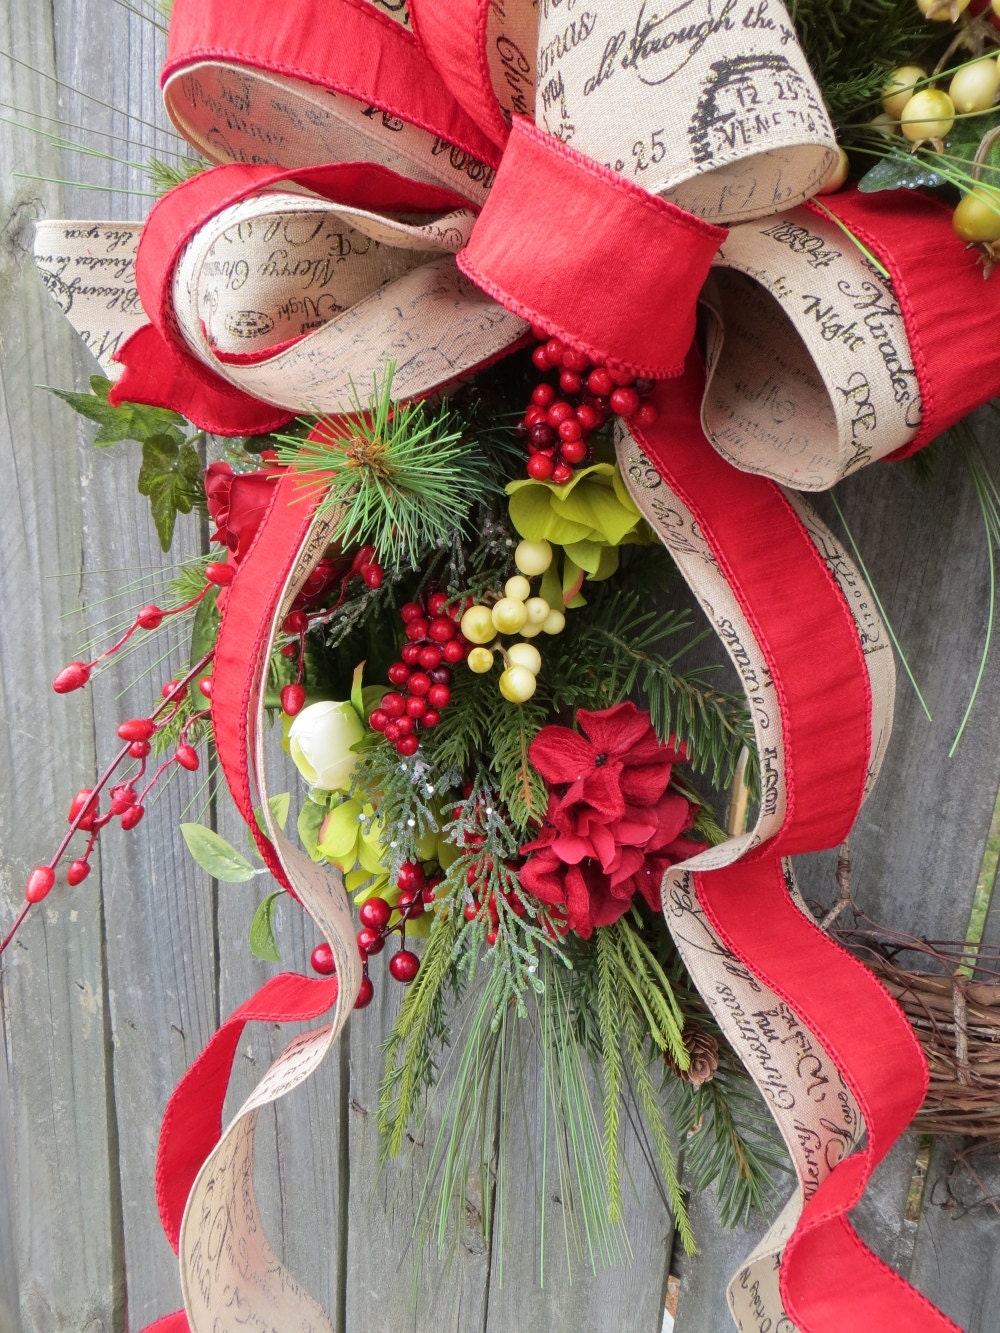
(652, 134)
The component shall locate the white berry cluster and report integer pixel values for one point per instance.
(516, 612)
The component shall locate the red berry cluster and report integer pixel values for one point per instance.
(422, 676)
(309, 604)
(559, 421)
(415, 892)
(125, 803)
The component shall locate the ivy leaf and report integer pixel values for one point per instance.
(262, 941)
(130, 421)
(214, 854)
(170, 476)
(309, 823)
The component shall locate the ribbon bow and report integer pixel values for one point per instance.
(603, 220)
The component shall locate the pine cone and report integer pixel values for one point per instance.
(703, 1050)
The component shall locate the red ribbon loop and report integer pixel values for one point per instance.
(603, 265)
(160, 369)
(950, 313)
(347, 46)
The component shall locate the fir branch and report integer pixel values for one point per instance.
(511, 728)
(641, 969)
(612, 1067)
(618, 648)
(405, 478)
(653, 1117)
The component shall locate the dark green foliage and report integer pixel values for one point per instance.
(171, 471)
(131, 421)
(852, 44)
(171, 478)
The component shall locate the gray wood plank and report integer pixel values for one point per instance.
(160, 928)
(956, 1258)
(919, 841)
(52, 983)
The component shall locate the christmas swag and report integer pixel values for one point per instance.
(504, 313)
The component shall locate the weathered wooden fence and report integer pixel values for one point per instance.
(112, 988)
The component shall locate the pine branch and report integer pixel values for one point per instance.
(851, 45)
(418, 1031)
(730, 1142)
(404, 478)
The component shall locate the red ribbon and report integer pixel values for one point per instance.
(829, 1280)
(160, 369)
(348, 46)
(596, 257)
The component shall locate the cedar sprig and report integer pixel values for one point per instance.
(404, 475)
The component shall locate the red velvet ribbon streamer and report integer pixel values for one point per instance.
(950, 313)
(348, 46)
(830, 1281)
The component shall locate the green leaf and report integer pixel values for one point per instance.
(205, 626)
(339, 834)
(280, 806)
(309, 823)
(214, 854)
(170, 476)
(899, 171)
(130, 421)
(262, 941)
(357, 693)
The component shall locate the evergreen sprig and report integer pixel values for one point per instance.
(165, 175)
(405, 477)
(730, 1142)
(617, 648)
(420, 1030)
(851, 45)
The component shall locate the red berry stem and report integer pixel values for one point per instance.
(85, 815)
(15, 927)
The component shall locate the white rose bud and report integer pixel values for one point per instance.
(320, 740)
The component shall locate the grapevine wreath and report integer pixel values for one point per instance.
(453, 452)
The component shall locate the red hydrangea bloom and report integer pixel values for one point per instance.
(614, 828)
(614, 759)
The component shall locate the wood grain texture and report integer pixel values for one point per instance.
(112, 989)
(55, 1115)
